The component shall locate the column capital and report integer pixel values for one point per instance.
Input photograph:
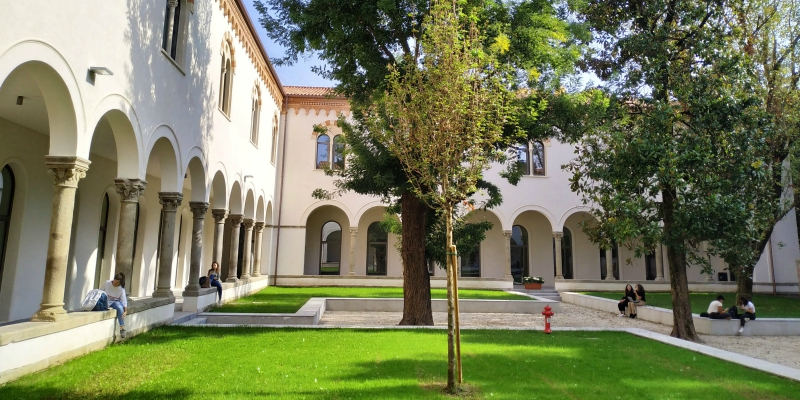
(248, 224)
(130, 189)
(66, 170)
(219, 214)
(259, 226)
(170, 200)
(236, 219)
(558, 235)
(199, 209)
(507, 233)
(172, 3)
(353, 231)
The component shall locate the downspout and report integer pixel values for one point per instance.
(772, 268)
(285, 116)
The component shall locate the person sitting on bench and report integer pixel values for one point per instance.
(715, 310)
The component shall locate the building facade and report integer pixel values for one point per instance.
(158, 138)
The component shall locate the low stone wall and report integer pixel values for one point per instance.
(206, 299)
(388, 281)
(596, 285)
(235, 290)
(31, 346)
(706, 326)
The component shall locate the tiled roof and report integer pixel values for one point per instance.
(307, 91)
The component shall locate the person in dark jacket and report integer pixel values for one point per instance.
(638, 300)
(623, 304)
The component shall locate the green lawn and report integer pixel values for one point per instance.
(210, 363)
(767, 306)
(277, 299)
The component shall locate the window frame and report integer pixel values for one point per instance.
(375, 228)
(177, 51)
(227, 69)
(274, 149)
(323, 241)
(255, 115)
(322, 164)
(525, 248)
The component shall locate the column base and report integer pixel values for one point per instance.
(509, 276)
(352, 273)
(661, 279)
(559, 278)
(610, 278)
(50, 313)
(191, 292)
(232, 280)
(245, 277)
(163, 293)
(256, 275)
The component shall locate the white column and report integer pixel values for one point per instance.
(248, 248)
(129, 191)
(199, 210)
(559, 268)
(258, 228)
(169, 205)
(610, 265)
(507, 235)
(219, 215)
(233, 259)
(659, 264)
(353, 234)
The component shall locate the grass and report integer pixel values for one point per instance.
(767, 306)
(277, 299)
(214, 363)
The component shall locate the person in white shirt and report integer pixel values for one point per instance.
(117, 299)
(715, 310)
(747, 309)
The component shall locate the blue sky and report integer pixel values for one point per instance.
(297, 75)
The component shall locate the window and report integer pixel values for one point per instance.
(323, 146)
(226, 78)
(101, 241)
(614, 263)
(566, 254)
(376, 249)
(255, 115)
(650, 266)
(6, 201)
(531, 158)
(174, 21)
(519, 253)
(328, 155)
(338, 152)
(471, 264)
(274, 140)
(330, 249)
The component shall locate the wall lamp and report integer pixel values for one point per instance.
(248, 176)
(100, 71)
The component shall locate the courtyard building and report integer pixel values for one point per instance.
(154, 137)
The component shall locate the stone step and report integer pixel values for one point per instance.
(195, 321)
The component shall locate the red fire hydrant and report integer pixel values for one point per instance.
(547, 314)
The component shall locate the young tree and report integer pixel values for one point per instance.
(682, 116)
(447, 111)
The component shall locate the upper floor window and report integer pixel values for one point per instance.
(328, 155)
(274, 140)
(531, 158)
(255, 114)
(226, 78)
(174, 24)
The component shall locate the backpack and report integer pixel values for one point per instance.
(90, 301)
(204, 282)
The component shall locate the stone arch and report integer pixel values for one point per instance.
(249, 205)
(535, 208)
(572, 211)
(164, 146)
(197, 178)
(124, 122)
(60, 91)
(218, 190)
(268, 215)
(235, 203)
(341, 206)
(367, 207)
(14, 277)
(260, 209)
(317, 222)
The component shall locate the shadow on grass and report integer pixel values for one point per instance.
(38, 392)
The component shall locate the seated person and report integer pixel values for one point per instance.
(746, 309)
(627, 298)
(715, 310)
(639, 300)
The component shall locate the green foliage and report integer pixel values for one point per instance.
(532, 279)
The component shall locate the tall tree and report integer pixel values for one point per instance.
(447, 111)
(682, 115)
(358, 40)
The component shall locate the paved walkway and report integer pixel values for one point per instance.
(776, 349)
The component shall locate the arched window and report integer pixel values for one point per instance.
(523, 159)
(471, 264)
(566, 254)
(614, 263)
(338, 152)
(519, 253)
(330, 249)
(376, 249)
(101, 241)
(6, 201)
(537, 158)
(173, 37)
(274, 140)
(255, 115)
(323, 147)
(650, 266)
(226, 79)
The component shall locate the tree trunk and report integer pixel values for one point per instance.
(682, 321)
(452, 385)
(744, 282)
(416, 280)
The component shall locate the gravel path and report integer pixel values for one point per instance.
(781, 350)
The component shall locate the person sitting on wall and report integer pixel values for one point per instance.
(639, 300)
(715, 310)
(628, 297)
(746, 309)
(213, 277)
(117, 299)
